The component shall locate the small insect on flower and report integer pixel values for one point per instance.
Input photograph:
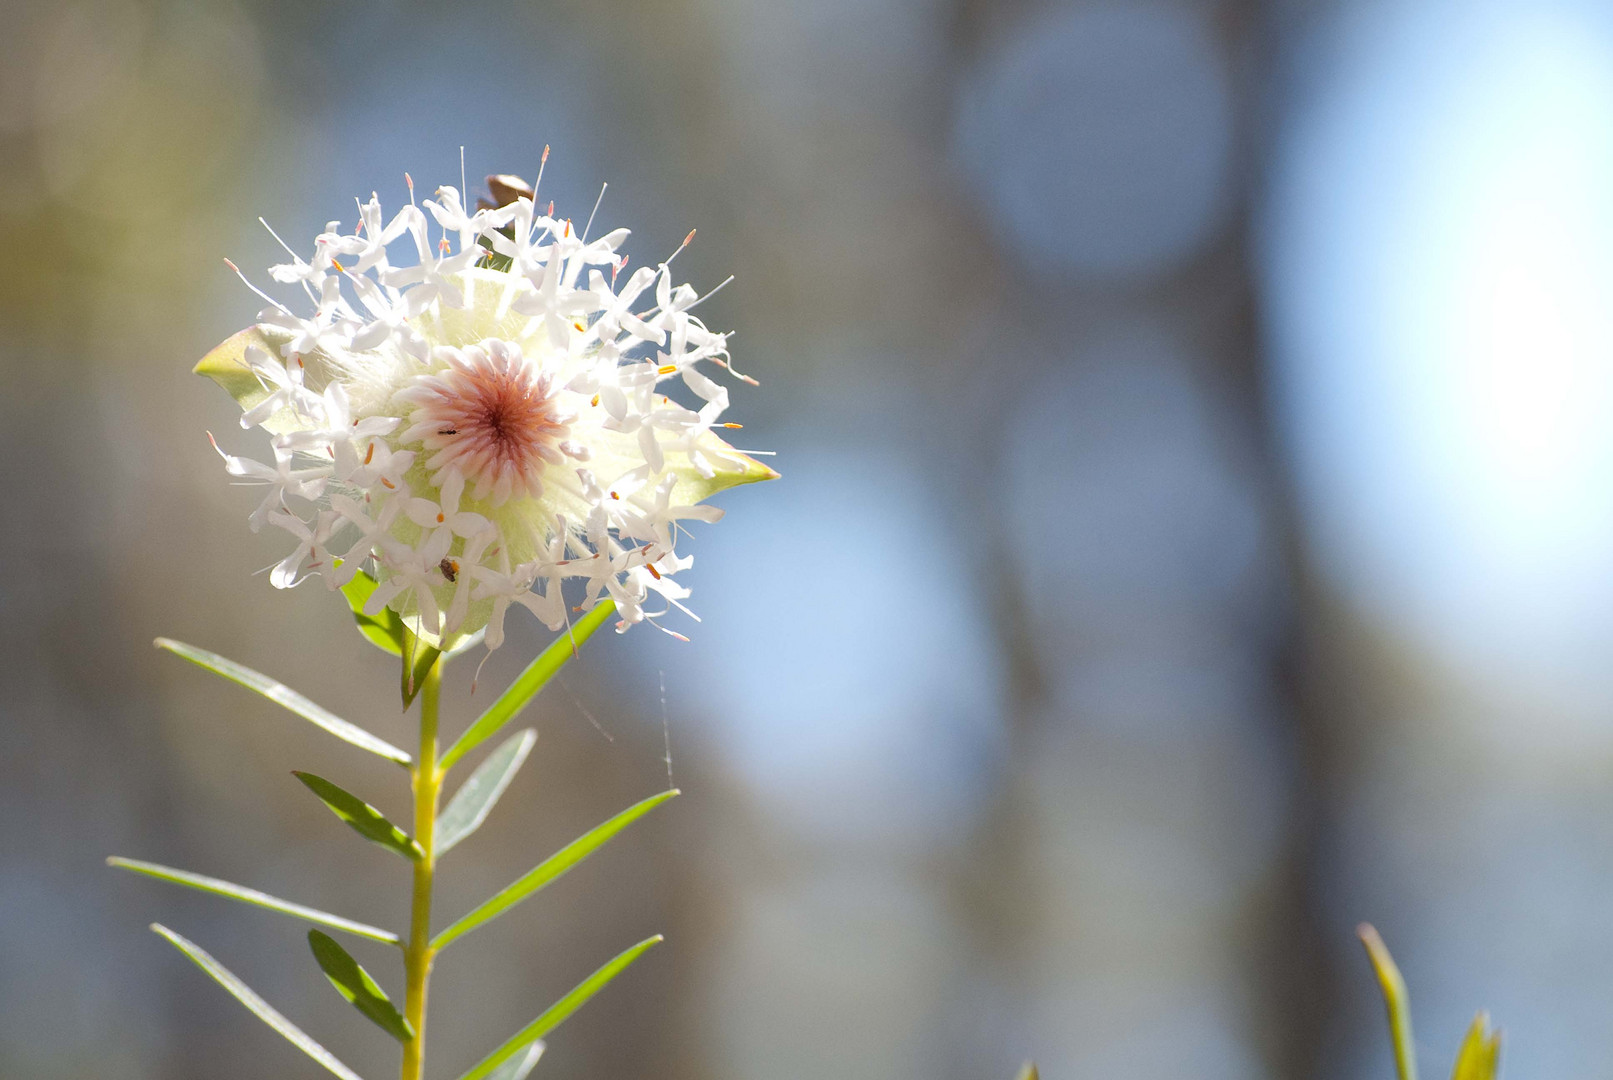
(486, 423)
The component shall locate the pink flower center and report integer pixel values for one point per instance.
(493, 416)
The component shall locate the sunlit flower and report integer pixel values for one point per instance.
(486, 424)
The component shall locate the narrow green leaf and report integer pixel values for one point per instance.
(555, 1014)
(289, 698)
(518, 1066)
(1395, 1000)
(365, 819)
(260, 1008)
(1480, 1055)
(1028, 1071)
(355, 984)
(252, 896)
(475, 798)
(526, 686)
(384, 630)
(549, 869)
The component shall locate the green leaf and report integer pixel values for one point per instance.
(252, 896)
(534, 678)
(384, 629)
(1028, 1071)
(475, 798)
(549, 869)
(365, 819)
(260, 1008)
(355, 984)
(555, 1014)
(1394, 998)
(1480, 1055)
(289, 698)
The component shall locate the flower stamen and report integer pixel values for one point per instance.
(492, 414)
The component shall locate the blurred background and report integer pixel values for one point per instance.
(1196, 536)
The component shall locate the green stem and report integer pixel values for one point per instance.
(417, 956)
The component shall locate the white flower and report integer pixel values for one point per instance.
(310, 555)
(369, 243)
(444, 519)
(281, 478)
(284, 383)
(482, 437)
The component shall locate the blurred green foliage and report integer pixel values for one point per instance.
(1480, 1055)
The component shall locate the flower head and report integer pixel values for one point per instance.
(484, 425)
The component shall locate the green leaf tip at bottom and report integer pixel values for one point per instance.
(1395, 1000)
(548, 870)
(260, 1008)
(254, 897)
(364, 819)
(286, 697)
(477, 796)
(1028, 1071)
(1480, 1055)
(358, 987)
(528, 683)
(554, 1015)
